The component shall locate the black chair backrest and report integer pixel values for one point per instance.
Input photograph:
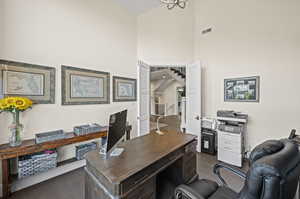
(274, 171)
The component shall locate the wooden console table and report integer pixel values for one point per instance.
(30, 147)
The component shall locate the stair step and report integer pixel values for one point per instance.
(178, 73)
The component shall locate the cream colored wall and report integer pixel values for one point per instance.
(1, 27)
(249, 38)
(169, 96)
(92, 34)
(153, 86)
(165, 37)
(252, 38)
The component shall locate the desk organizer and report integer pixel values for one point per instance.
(30, 165)
(87, 129)
(49, 136)
(81, 150)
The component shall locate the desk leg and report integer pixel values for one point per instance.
(5, 179)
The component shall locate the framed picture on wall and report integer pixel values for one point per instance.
(28, 80)
(124, 89)
(245, 89)
(83, 86)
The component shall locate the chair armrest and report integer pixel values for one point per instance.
(293, 134)
(235, 171)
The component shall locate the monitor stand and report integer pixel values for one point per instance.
(159, 132)
(116, 152)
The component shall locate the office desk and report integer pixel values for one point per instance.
(136, 172)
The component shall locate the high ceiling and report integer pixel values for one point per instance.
(139, 6)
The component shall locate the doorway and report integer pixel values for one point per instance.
(153, 103)
(167, 85)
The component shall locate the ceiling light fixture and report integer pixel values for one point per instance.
(173, 3)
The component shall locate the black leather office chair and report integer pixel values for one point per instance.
(273, 174)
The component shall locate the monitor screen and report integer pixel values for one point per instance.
(117, 129)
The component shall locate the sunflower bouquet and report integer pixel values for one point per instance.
(15, 105)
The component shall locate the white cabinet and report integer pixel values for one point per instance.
(231, 141)
(230, 148)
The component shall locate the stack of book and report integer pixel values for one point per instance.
(49, 136)
(81, 150)
(90, 128)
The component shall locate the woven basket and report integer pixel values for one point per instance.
(35, 164)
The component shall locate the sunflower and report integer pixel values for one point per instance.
(18, 103)
(10, 101)
(3, 105)
(28, 101)
(23, 103)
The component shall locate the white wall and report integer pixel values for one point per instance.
(169, 96)
(166, 36)
(1, 27)
(249, 38)
(252, 38)
(92, 34)
(153, 86)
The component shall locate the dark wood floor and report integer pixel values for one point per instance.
(71, 185)
(68, 186)
(172, 122)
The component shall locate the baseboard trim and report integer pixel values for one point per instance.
(32, 180)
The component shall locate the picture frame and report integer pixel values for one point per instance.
(244, 89)
(33, 81)
(83, 86)
(124, 89)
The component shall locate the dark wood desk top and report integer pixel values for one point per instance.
(139, 153)
(29, 146)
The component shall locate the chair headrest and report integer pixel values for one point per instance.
(267, 148)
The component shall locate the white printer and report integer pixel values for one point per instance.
(231, 133)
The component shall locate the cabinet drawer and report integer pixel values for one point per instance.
(190, 168)
(144, 191)
(230, 142)
(153, 169)
(229, 146)
(191, 148)
(233, 149)
(227, 134)
(230, 157)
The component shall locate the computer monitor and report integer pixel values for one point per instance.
(117, 130)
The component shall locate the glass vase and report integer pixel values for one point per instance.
(16, 130)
